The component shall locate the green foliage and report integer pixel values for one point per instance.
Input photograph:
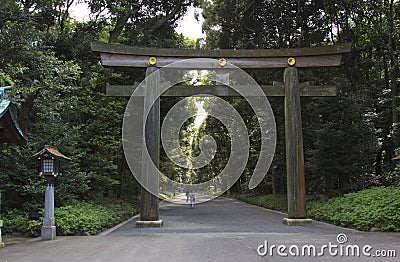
(274, 202)
(81, 217)
(376, 208)
(344, 137)
(20, 179)
(397, 151)
(5, 79)
(372, 208)
(392, 177)
(18, 221)
(149, 22)
(14, 221)
(73, 219)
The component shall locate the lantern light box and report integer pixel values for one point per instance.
(49, 161)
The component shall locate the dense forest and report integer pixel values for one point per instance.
(59, 91)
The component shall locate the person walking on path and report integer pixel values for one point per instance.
(187, 195)
(192, 199)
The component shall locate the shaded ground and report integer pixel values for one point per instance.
(223, 216)
(220, 230)
(13, 239)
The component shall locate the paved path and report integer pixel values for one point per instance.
(220, 230)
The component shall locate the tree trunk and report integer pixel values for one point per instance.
(119, 26)
(394, 64)
(273, 184)
(24, 110)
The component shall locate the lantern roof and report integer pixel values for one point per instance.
(52, 151)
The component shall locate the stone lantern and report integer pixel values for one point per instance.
(49, 169)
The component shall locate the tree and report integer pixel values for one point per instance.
(139, 22)
(59, 91)
(366, 72)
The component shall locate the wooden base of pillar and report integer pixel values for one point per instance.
(145, 224)
(297, 221)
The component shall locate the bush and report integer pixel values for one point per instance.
(377, 208)
(372, 208)
(392, 177)
(73, 219)
(17, 221)
(275, 201)
(83, 217)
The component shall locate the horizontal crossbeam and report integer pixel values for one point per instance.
(118, 60)
(130, 56)
(226, 53)
(220, 90)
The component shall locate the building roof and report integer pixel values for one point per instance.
(52, 151)
(4, 101)
(11, 130)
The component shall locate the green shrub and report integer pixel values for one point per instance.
(83, 217)
(392, 177)
(17, 221)
(275, 201)
(73, 219)
(377, 208)
(372, 208)
(34, 227)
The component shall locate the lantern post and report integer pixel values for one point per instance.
(49, 169)
(1, 225)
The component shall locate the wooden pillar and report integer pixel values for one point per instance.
(294, 146)
(149, 216)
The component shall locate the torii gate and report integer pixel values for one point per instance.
(115, 55)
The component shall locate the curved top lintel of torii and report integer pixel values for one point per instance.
(117, 55)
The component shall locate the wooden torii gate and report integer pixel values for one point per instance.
(114, 55)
